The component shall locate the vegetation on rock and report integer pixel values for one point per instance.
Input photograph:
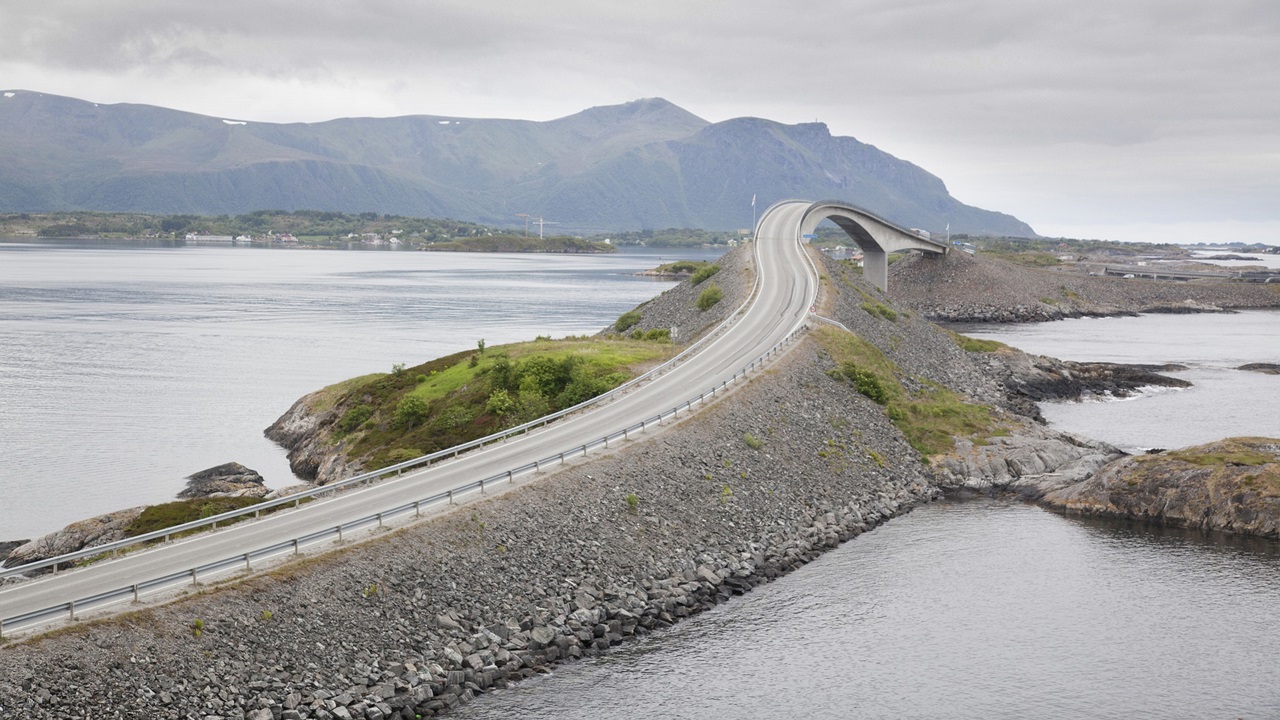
(386, 419)
(930, 416)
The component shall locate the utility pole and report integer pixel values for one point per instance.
(542, 222)
(526, 222)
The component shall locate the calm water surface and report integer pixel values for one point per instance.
(994, 608)
(124, 368)
(1222, 401)
(980, 609)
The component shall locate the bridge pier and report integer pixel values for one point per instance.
(875, 268)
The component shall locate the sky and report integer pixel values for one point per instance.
(1138, 120)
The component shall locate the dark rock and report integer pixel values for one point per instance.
(1268, 368)
(228, 479)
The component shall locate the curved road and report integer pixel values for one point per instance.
(787, 289)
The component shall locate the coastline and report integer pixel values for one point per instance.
(428, 616)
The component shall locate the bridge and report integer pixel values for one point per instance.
(761, 328)
(876, 236)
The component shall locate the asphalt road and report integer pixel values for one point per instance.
(787, 289)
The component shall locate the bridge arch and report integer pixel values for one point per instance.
(875, 236)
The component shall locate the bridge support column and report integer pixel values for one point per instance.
(875, 268)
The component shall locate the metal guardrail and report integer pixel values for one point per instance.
(296, 499)
(136, 590)
(245, 560)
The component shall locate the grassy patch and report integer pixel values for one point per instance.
(166, 515)
(703, 273)
(929, 418)
(752, 441)
(884, 311)
(627, 320)
(1232, 451)
(1028, 258)
(681, 267)
(467, 395)
(970, 344)
(710, 297)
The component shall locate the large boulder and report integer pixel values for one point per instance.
(76, 536)
(228, 479)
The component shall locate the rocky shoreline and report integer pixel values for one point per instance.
(418, 620)
(963, 288)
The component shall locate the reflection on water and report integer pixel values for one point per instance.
(125, 367)
(975, 609)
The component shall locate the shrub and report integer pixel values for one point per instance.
(500, 402)
(400, 455)
(710, 297)
(752, 441)
(355, 417)
(703, 273)
(411, 410)
(627, 320)
(166, 515)
(633, 502)
(658, 334)
(867, 383)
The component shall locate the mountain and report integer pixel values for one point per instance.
(643, 164)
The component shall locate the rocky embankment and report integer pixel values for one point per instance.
(1231, 485)
(967, 288)
(420, 619)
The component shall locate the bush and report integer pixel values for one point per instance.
(411, 411)
(658, 334)
(355, 417)
(710, 297)
(627, 320)
(703, 273)
(500, 403)
(752, 441)
(867, 383)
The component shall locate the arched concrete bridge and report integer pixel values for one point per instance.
(794, 219)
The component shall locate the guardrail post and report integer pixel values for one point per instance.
(248, 563)
(71, 609)
(561, 458)
(295, 546)
(379, 519)
(1, 630)
(194, 580)
(511, 477)
(417, 508)
(606, 442)
(537, 466)
(482, 492)
(215, 525)
(137, 596)
(643, 428)
(339, 534)
(450, 497)
(626, 435)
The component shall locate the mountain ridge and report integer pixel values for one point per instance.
(643, 164)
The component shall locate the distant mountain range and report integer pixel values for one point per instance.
(643, 164)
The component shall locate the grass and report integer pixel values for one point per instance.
(461, 397)
(1028, 258)
(627, 320)
(710, 297)
(970, 344)
(884, 311)
(1232, 451)
(166, 515)
(752, 441)
(682, 267)
(929, 419)
(703, 273)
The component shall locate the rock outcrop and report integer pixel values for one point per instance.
(1265, 368)
(76, 536)
(227, 479)
(1231, 485)
(1039, 378)
(1031, 461)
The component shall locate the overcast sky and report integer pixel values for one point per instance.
(1124, 119)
